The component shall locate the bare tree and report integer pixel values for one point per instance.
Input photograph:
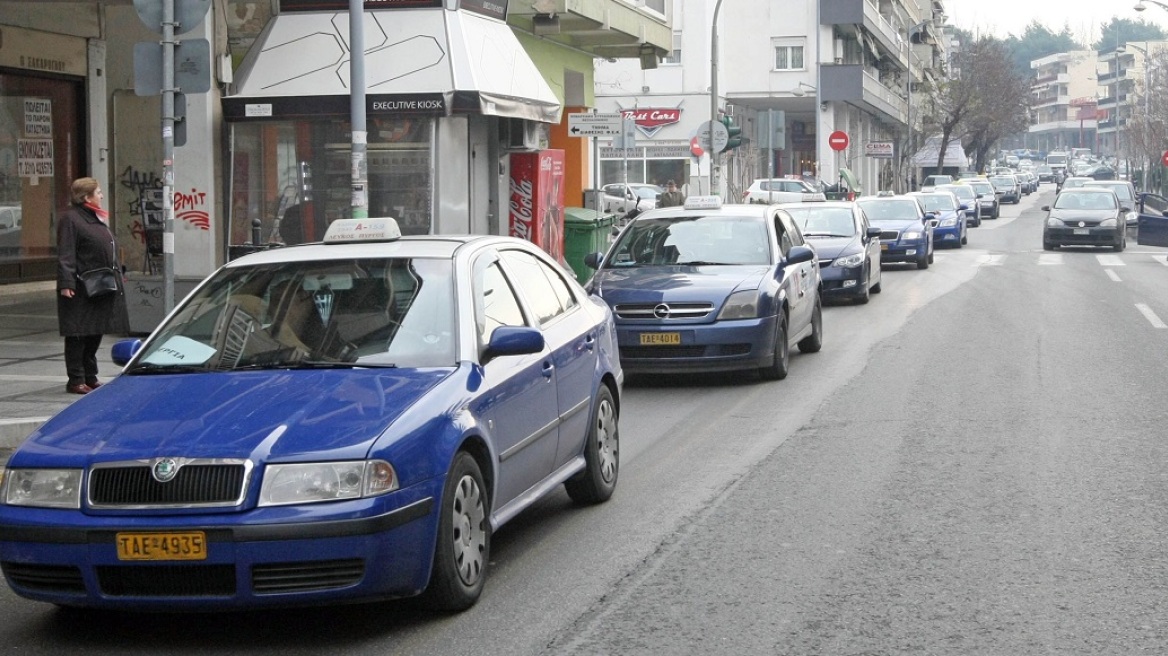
(1147, 129)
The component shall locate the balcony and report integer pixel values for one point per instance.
(1049, 100)
(1112, 75)
(1056, 78)
(850, 83)
(861, 12)
(602, 28)
(1055, 126)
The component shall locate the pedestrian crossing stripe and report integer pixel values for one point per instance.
(1056, 259)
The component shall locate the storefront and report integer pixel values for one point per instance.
(42, 145)
(449, 94)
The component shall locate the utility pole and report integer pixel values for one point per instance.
(714, 159)
(360, 138)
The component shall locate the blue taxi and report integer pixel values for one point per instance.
(952, 228)
(329, 422)
(711, 287)
(906, 230)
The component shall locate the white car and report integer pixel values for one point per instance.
(781, 190)
(622, 198)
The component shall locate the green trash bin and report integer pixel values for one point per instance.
(585, 232)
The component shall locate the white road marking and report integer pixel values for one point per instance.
(990, 259)
(1113, 275)
(1110, 260)
(1150, 316)
(1163, 260)
(1050, 258)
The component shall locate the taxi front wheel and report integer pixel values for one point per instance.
(463, 546)
(781, 360)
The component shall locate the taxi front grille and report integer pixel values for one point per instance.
(889, 235)
(684, 351)
(663, 310)
(166, 580)
(195, 484)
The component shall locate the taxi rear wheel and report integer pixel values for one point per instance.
(464, 539)
(601, 453)
(781, 360)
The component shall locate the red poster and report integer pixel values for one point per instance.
(537, 200)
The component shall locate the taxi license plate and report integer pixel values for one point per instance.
(884, 247)
(189, 545)
(658, 339)
(1082, 231)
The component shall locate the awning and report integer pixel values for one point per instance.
(417, 61)
(954, 154)
(850, 179)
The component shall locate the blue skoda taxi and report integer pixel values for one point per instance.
(952, 228)
(337, 421)
(711, 287)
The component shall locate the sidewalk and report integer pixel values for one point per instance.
(32, 362)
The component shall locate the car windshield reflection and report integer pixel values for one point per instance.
(372, 312)
(693, 240)
(824, 221)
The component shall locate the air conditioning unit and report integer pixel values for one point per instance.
(518, 134)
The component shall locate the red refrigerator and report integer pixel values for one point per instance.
(537, 200)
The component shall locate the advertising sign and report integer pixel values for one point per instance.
(881, 149)
(537, 200)
(650, 120)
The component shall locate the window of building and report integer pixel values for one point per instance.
(656, 5)
(674, 56)
(789, 55)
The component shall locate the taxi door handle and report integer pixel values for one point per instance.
(590, 341)
(549, 368)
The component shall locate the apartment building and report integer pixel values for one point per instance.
(1063, 101)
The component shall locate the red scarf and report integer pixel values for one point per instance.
(102, 215)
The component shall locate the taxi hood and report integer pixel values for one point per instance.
(331, 414)
(676, 282)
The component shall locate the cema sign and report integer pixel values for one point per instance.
(882, 149)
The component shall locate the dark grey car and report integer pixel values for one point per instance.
(1084, 217)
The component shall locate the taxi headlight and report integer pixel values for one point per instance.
(42, 488)
(1055, 223)
(1108, 223)
(849, 261)
(948, 223)
(741, 305)
(312, 482)
(911, 234)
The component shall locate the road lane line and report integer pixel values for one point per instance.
(1113, 275)
(1161, 260)
(1150, 316)
(1110, 260)
(1046, 259)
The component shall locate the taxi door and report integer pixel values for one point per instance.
(800, 280)
(1153, 221)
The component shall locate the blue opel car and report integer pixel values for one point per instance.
(848, 248)
(347, 420)
(707, 287)
(952, 228)
(906, 230)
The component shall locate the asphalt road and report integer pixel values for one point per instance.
(972, 465)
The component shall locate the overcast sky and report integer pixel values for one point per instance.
(1003, 17)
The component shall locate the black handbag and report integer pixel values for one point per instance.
(99, 282)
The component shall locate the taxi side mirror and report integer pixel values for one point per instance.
(1045, 208)
(873, 231)
(513, 340)
(123, 351)
(592, 260)
(799, 254)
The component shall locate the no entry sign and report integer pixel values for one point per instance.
(1164, 158)
(838, 140)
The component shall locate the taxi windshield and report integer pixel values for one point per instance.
(937, 202)
(337, 313)
(898, 209)
(693, 240)
(824, 221)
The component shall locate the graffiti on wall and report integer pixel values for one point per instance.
(192, 208)
(138, 182)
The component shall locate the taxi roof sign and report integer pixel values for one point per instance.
(703, 203)
(351, 231)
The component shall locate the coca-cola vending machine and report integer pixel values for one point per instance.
(537, 199)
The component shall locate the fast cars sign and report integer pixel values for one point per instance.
(650, 120)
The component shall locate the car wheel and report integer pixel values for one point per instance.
(463, 546)
(923, 261)
(1118, 248)
(781, 361)
(1048, 245)
(865, 289)
(813, 342)
(932, 254)
(601, 455)
(964, 238)
(876, 289)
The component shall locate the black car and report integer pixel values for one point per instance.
(1008, 188)
(847, 245)
(1085, 217)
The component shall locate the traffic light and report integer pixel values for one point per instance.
(734, 131)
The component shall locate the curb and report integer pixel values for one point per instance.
(27, 291)
(13, 431)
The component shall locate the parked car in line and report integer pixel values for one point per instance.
(848, 247)
(949, 213)
(1073, 182)
(623, 198)
(906, 230)
(322, 423)
(1045, 173)
(1029, 182)
(931, 181)
(987, 197)
(1084, 217)
(782, 190)
(968, 198)
(1008, 188)
(711, 287)
(1125, 192)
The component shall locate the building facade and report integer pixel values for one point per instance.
(1064, 102)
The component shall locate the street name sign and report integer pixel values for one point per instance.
(721, 136)
(594, 124)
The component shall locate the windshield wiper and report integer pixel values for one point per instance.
(150, 368)
(313, 364)
(704, 263)
(823, 234)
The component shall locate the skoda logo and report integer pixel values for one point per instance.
(661, 311)
(164, 469)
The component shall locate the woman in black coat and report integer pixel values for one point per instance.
(85, 242)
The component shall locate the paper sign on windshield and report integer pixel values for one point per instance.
(180, 350)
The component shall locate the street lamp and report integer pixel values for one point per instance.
(799, 92)
(714, 96)
(908, 146)
(1140, 5)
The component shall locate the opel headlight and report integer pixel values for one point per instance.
(43, 488)
(849, 261)
(311, 482)
(1055, 223)
(1108, 223)
(741, 305)
(948, 223)
(911, 234)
